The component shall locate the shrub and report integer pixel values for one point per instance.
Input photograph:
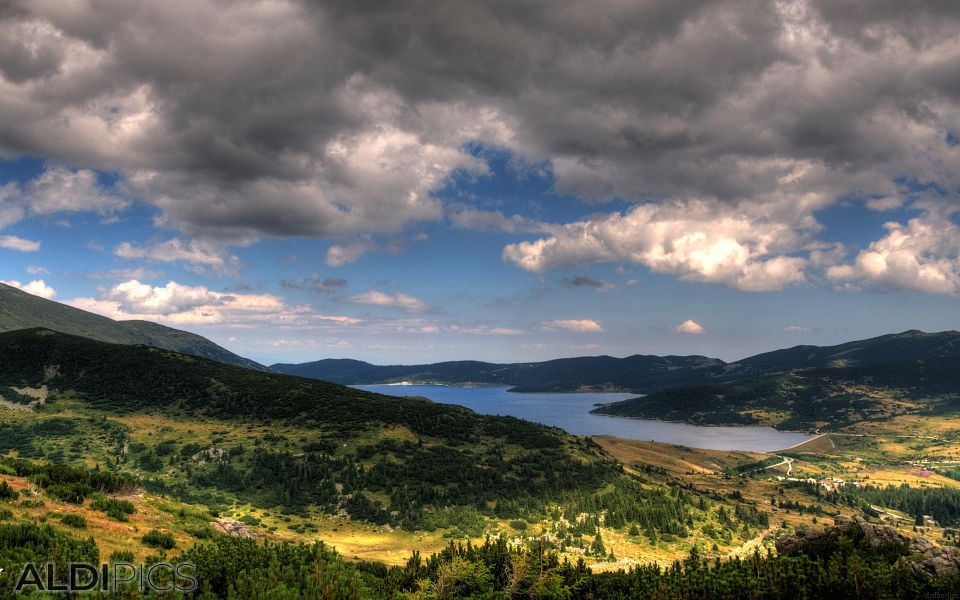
(201, 533)
(114, 508)
(121, 556)
(519, 525)
(75, 521)
(156, 539)
(74, 493)
(7, 492)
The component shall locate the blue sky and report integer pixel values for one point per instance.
(477, 305)
(665, 180)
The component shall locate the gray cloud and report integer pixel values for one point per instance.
(584, 281)
(314, 283)
(339, 118)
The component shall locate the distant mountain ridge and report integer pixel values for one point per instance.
(812, 387)
(818, 398)
(908, 345)
(561, 375)
(639, 373)
(20, 310)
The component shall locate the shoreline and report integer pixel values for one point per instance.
(815, 436)
(506, 388)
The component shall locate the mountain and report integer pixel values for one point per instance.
(561, 375)
(821, 398)
(20, 310)
(220, 434)
(638, 373)
(913, 345)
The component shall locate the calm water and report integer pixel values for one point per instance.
(571, 412)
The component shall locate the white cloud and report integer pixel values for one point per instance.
(37, 270)
(202, 254)
(398, 300)
(578, 325)
(796, 329)
(59, 190)
(172, 250)
(487, 330)
(138, 273)
(12, 242)
(339, 255)
(689, 326)
(745, 247)
(37, 287)
(183, 304)
(922, 255)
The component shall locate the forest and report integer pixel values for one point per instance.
(844, 567)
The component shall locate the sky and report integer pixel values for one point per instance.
(504, 180)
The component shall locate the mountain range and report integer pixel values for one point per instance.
(639, 373)
(803, 387)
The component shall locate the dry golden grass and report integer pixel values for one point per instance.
(110, 535)
(676, 460)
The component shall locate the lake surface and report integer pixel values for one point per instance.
(571, 412)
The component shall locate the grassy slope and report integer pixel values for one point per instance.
(20, 310)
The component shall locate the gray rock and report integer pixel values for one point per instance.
(233, 528)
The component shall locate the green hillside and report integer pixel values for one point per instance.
(20, 310)
(406, 462)
(807, 399)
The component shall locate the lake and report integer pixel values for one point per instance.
(571, 412)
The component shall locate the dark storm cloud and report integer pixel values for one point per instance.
(340, 118)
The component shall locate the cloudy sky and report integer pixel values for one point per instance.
(505, 179)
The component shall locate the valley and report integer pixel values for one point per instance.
(207, 452)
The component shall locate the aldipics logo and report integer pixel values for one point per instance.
(156, 577)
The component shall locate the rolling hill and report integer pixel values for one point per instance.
(20, 310)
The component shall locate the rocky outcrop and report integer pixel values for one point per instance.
(937, 561)
(917, 553)
(233, 528)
